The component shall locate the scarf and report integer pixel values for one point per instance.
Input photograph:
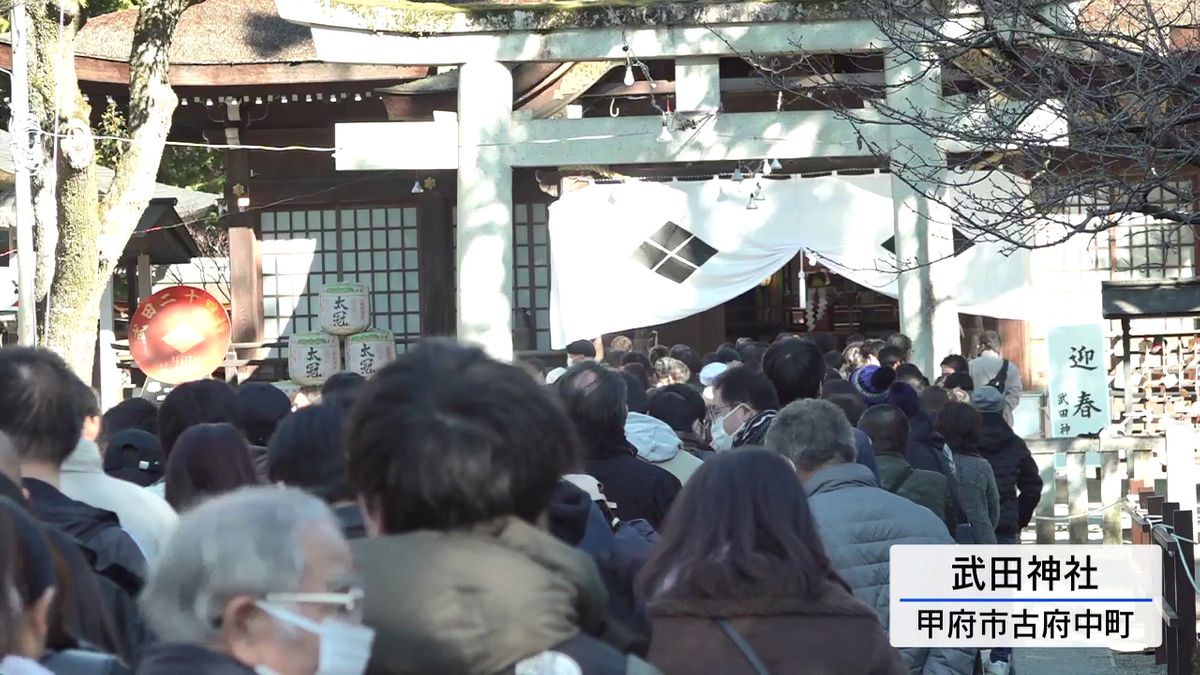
(754, 432)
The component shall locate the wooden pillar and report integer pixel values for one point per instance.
(131, 296)
(245, 262)
(145, 278)
(435, 246)
(1127, 376)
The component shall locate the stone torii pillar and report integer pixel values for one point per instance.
(924, 236)
(485, 194)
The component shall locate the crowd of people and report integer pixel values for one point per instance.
(647, 511)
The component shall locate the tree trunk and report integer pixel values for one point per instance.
(74, 305)
(88, 235)
(49, 77)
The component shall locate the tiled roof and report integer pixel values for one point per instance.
(422, 17)
(210, 32)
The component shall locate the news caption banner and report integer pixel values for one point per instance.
(1026, 596)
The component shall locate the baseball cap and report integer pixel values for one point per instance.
(136, 456)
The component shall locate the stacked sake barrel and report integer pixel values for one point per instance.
(346, 340)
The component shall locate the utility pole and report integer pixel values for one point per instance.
(20, 127)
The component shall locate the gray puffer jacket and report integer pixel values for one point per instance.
(859, 522)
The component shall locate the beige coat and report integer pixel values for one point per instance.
(478, 601)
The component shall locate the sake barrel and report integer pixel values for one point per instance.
(313, 357)
(345, 308)
(368, 352)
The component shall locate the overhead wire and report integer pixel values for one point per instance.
(249, 209)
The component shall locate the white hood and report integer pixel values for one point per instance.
(654, 439)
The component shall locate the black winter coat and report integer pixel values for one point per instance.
(577, 521)
(83, 662)
(177, 658)
(1017, 476)
(924, 451)
(115, 554)
(104, 615)
(638, 488)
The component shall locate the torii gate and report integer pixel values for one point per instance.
(487, 141)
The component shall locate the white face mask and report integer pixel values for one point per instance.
(721, 440)
(345, 648)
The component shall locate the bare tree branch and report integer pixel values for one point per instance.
(1094, 109)
(151, 104)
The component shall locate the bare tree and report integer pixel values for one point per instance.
(211, 266)
(79, 237)
(1069, 117)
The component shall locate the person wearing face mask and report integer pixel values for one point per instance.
(744, 403)
(256, 582)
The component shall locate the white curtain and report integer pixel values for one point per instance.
(635, 254)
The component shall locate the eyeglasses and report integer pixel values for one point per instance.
(348, 602)
(720, 411)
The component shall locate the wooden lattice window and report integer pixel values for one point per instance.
(304, 250)
(1143, 247)
(531, 268)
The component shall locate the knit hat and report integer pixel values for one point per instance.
(988, 400)
(711, 371)
(872, 382)
(904, 397)
(136, 456)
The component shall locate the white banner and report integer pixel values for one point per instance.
(638, 254)
(1078, 380)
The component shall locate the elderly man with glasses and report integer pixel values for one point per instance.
(258, 581)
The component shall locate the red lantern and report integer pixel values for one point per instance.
(179, 334)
